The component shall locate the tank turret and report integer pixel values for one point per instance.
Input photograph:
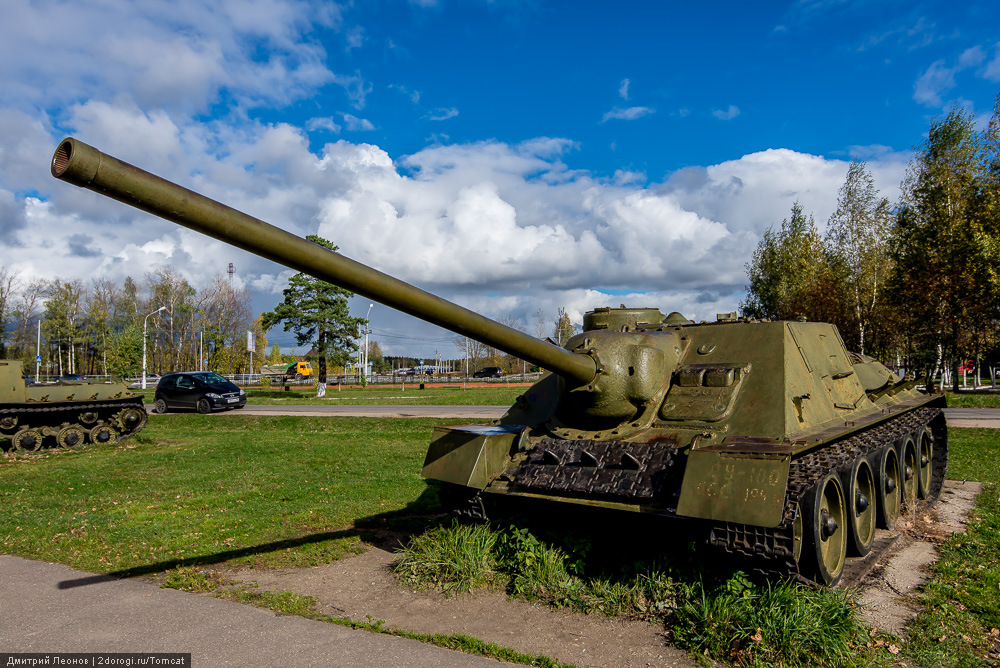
(783, 446)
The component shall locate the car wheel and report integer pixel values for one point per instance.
(203, 406)
(160, 406)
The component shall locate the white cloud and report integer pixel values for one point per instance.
(992, 70)
(727, 114)
(623, 89)
(356, 124)
(628, 114)
(442, 114)
(933, 83)
(323, 123)
(172, 55)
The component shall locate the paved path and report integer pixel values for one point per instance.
(973, 417)
(51, 608)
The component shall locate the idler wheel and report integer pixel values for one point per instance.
(131, 420)
(824, 524)
(888, 486)
(908, 467)
(27, 440)
(925, 460)
(71, 436)
(860, 496)
(102, 433)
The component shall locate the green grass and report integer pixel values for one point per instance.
(718, 614)
(190, 490)
(974, 399)
(434, 394)
(961, 615)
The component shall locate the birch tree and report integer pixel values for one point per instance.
(858, 236)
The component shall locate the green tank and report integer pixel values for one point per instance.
(63, 414)
(778, 443)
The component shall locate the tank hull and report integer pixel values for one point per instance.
(65, 414)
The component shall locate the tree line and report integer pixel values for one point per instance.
(96, 327)
(913, 282)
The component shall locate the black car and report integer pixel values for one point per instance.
(488, 372)
(204, 391)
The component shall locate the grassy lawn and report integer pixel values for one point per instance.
(436, 394)
(974, 399)
(187, 490)
(281, 491)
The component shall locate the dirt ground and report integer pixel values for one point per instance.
(363, 588)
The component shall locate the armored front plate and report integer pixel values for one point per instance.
(470, 455)
(748, 488)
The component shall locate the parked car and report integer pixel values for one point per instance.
(72, 376)
(488, 372)
(203, 391)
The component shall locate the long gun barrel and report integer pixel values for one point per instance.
(87, 167)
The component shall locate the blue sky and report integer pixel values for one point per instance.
(514, 156)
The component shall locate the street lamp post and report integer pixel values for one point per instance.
(145, 321)
(367, 329)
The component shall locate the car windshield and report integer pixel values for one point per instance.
(209, 378)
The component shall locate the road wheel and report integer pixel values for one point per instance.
(908, 467)
(825, 531)
(888, 487)
(71, 436)
(102, 433)
(203, 406)
(859, 494)
(925, 458)
(131, 420)
(27, 440)
(160, 406)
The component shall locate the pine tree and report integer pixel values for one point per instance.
(318, 313)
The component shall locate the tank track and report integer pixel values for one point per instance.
(772, 549)
(620, 470)
(100, 421)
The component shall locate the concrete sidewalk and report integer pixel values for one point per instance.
(51, 608)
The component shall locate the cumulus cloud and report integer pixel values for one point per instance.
(169, 55)
(627, 114)
(623, 89)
